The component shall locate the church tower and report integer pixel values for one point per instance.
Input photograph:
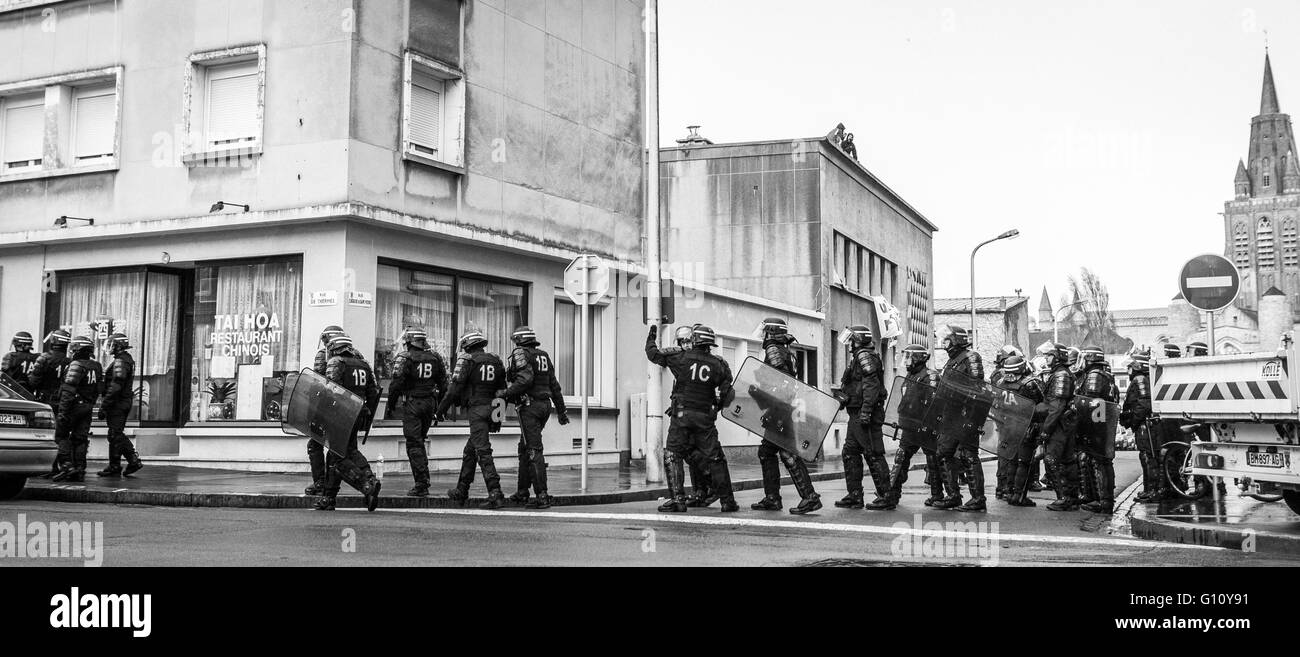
(1260, 222)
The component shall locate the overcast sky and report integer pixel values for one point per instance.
(1107, 132)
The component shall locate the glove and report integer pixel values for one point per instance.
(654, 332)
(563, 419)
(103, 413)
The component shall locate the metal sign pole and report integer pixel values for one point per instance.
(584, 345)
(1211, 334)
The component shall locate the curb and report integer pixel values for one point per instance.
(1174, 531)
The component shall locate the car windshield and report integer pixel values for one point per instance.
(10, 389)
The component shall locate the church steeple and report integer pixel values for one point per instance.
(1291, 178)
(1243, 181)
(1268, 102)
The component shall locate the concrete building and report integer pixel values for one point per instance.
(999, 321)
(795, 228)
(405, 162)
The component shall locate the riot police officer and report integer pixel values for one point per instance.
(82, 385)
(315, 451)
(1135, 414)
(1003, 354)
(349, 369)
(1019, 471)
(535, 392)
(955, 456)
(1099, 470)
(1013, 375)
(47, 372)
(916, 359)
(19, 362)
(702, 385)
(118, 399)
(863, 384)
(1053, 436)
(475, 381)
(419, 376)
(776, 354)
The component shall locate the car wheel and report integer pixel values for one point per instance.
(1292, 498)
(11, 486)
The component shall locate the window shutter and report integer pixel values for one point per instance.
(95, 125)
(24, 136)
(426, 112)
(232, 105)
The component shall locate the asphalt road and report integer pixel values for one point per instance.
(618, 535)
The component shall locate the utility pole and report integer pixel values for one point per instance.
(654, 421)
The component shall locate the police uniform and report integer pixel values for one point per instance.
(1020, 471)
(1097, 473)
(475, 380)
(1135, 414)
(955, 457)
(47, 374)
(419, 378)
(118, 399)
(316, 451)
(18, 365)
(82, 385)
(350, 370)
(535, 392)
(863, 382)
(1057, 440)
(776, 354)
(912, 441)
(702, 384)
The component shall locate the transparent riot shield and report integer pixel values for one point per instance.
(16, 388)
(960, 409)
(1010, 417)
(906, 412)
(320, 410)
(783, 410)
(1097, 422)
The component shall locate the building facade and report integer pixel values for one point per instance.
(431, 163)
(999, 321)
(798, 229)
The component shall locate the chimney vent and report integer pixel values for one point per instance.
(694, 138)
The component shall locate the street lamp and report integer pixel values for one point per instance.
(1056, 320)
(1011, 234)
(62, 222)
(220, 206)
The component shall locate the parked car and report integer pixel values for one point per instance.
(26, 438)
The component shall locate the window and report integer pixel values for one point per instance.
(247, 323)
(1264, 243)
(24, 133)
(433, 113)
(567, 339)
(1290, 244)
(805, 364)
(918, 307)
(839, 356)
(1268, 174)
(145, 305)
(1241, 245)
(224, 106)
(94, 124)
(445, 304)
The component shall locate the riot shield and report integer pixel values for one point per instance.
(783, 410)
(320, 410)
(960, 409)
(906, 412)
(1007, 427)
(17, 388)
(1097, 422)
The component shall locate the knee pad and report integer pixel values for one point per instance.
(535, 456)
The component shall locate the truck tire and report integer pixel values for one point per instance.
(11, 486)
(1292, 498)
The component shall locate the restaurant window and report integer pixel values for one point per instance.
(247, 322)
(142, 304)
(445, 305)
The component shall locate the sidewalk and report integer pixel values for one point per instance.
(161, 485)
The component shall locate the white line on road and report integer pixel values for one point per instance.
(714, 521)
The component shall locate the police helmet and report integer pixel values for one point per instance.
(23, 340)
(1198, 349)
(683, 335)
(958, 337)
(525, 337)
(1015, 366)
(1072, 356)
(703, 336)
(81, 343)
(1007, 352)
(329, 333)
(473, 340)
(1172, 351)
(118, 342)
(775, 326)
(860, 334)
(58, 337)
(414, 337)
(1140, 362)
(1092, 354)
(339, 344)
(915, 353)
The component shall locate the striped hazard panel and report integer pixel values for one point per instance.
(1227, 391)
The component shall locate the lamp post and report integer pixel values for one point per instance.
(1011, 234)
(1056, 319)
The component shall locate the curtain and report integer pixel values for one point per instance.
(567, 338)
(412, 299)
(492, 308)
(273, 288)
(119, 299)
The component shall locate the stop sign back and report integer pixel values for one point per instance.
(1210, 283)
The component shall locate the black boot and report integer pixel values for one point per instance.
(898, 476)
(768, 503)
(133, 466)
(952, 475)
(1067, 487)
(808, 505)
(496, 499)
(809, 500)
(852, 479)
(973, 466)
(1087, 481)
(458, 494)
(880, 478)
(720, 475)
(326, 503)
(110, 471)
(371, 493)
(420, 489)
(674, 474)
(934, 478)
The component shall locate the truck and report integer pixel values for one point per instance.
(1241, 416)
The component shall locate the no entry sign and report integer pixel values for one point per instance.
(1210, 283)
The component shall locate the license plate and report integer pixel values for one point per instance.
(13, 420)
(1264, 460)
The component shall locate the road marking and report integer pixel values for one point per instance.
(715, 521)
(1205, 282)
